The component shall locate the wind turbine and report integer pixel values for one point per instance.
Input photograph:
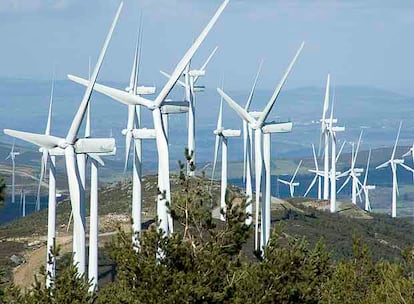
(72, 145)
(365, 187)
(222, 136)
(333, 130)
(353, 173)
(325, 137)
(263, 130)
(12, 156)
(191, 76)
(292, 184)
(393, 164)
(318, 176)
(164, 196)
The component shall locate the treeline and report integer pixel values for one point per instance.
(204, 262)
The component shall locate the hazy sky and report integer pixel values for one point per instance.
(360, 42)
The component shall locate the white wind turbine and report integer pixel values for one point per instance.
(262, 152)
(365, 187)
(292, 184)
(318, 176)
(222, 136)
(191, 76)
(70, 146)
(353, 173)
(12, 156)
(393, 164)
(325, 137)
(333, 130)
(164, 196)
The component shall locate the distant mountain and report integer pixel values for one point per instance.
(25, 104)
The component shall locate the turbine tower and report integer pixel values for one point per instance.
(333, 130)
(263, 130)
(318, 176)
(191, 76)
(222, 136)
(365, 187)
(72, 145)
(353, 173)
(23, 202)
(12, 156)
(292, 184)
(393, 164)
(164, 196)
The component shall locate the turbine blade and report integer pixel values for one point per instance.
(326, 101)
(367, 168)
(118, 95)
(396, 142)
(128, 139)
(49, 116)
(272, 100)
(408, 153)
(407, 168)
(283, 182)
(357, 149)
(42, 173)
(96, 158)
(220, 116)
(340, 151)
(134, 70)
(311, 185)
(238, 109)
(384, 165)
(314, 158)
(188, 56)
(344, 184)
(296, 171)
(204, 66)
(77, 121)
(249, 100)
(180, 82)
(40, 140)
(216, 150)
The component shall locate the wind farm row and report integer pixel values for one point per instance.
(83, 152)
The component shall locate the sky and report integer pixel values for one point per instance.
(365, 42)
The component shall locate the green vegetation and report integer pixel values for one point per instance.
(206, 262)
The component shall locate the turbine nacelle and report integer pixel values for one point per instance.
(197, 73)
(227, 132)
(143, 90)
(398, 161)
(144, 134)
(337, 129)
(277, 127)
(174, 107)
